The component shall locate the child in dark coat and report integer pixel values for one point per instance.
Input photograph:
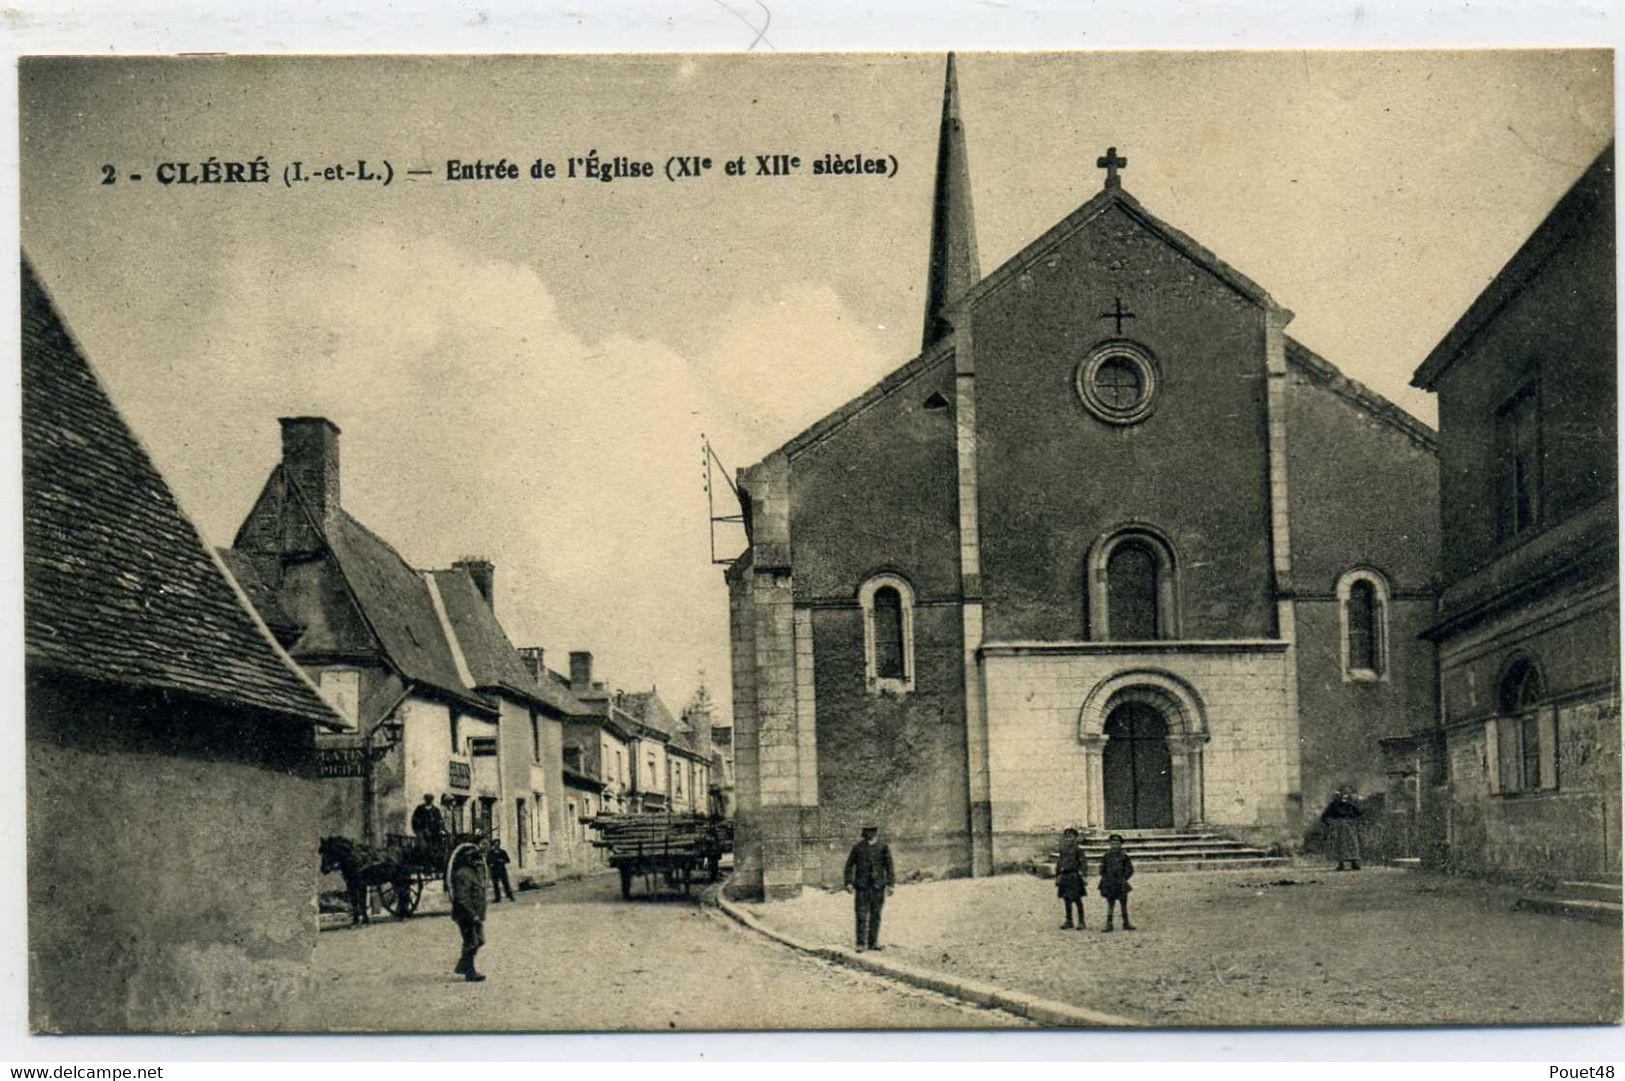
(1115, 871)
(1070, 869)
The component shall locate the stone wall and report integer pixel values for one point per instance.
(172, 864)
(1039, 733)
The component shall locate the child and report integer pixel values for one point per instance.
(1115, 871)
(1070, 868)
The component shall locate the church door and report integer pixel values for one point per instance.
(1137, 769)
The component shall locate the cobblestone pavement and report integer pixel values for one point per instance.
(575, 957)
(1301, 945)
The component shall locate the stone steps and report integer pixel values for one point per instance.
(1171, 850)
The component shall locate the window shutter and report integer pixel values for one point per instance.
(1548, 748)
(1511, 754)
(1492, 755)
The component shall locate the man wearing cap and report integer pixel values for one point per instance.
(870, 880)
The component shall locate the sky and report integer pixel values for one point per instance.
(522, 370)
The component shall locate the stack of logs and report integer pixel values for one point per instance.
(635, 835)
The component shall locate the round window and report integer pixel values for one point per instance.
(1118, 383)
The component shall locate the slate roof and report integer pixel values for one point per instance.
(262, 596)
(1591, 195)
(118, 586)
(489, 654)
(395, 602)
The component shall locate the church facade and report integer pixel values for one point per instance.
(1112, 551)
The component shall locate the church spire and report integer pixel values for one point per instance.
(954, 265)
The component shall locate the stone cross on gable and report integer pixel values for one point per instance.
(1111, 163)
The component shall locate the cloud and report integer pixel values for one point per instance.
(476, 422)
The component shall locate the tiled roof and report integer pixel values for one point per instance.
(262, 596)
(491, 657)
(395, 601)
(117, 584)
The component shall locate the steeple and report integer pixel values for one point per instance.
(954, 265)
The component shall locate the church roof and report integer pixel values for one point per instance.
(1328, 375)
(118, 585)
(1593, 193)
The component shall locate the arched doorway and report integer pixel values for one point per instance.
(1137, 768)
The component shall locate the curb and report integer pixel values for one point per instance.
(975, 992)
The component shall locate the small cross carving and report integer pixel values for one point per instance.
(1117, 313)
(1111, 163)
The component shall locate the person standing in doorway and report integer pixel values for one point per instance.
(468, 907)
(1115, 871)
(870, 880)
(1071, 867)
(1342, 818)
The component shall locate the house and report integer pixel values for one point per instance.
(370, 630)
(598, 740)
(169, 740)
(1112, 551)
(1519, 773)
(522, 763)
(688, 752)
(638, 743)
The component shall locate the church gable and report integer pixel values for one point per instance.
(1121, 380)
(876, 491)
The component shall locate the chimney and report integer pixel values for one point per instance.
(310, 458)
(535, 662)
(580, 670)
(484, 573)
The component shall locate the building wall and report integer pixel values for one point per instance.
(1052, 478)
(1362, 494)
(1572, 830)
(877, 494)
(898, 761)
(177, 894)
(1560, 330)
(1038, 762)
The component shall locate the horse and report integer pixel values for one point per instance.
(364, 868)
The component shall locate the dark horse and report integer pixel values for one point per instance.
(363, 868)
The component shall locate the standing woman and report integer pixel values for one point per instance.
(1070, 868)
(1342, 817)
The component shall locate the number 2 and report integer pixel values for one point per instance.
(108, 173)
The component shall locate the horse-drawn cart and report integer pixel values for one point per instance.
(397, 871)
(674, 848)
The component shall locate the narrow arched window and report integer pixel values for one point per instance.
(1131, 589)
(888, 633)
(1362, 624)
(1362, 597)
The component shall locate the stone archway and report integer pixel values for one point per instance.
(1151, 714)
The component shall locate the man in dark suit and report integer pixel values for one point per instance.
(870, 880)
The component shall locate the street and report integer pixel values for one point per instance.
(576, 957)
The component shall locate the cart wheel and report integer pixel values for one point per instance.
(402, 903)
(626, 883)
